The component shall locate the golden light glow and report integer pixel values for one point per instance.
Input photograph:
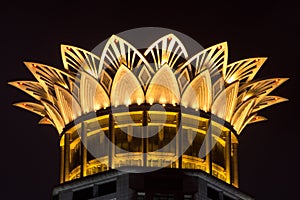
(122, 77)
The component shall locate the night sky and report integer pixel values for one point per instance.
(33, 31)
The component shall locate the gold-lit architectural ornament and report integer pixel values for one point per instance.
(123, 76)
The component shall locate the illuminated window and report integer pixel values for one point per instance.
(75, 156)
(94, 146)
(218, 154)
(135, 144)
(121, 140)
(169, 134)
(193, 141)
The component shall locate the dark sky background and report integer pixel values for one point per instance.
(34, 30)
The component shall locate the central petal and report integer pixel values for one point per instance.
(126, 89)
(163, 88)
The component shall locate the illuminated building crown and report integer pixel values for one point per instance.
(123, 84)
(64, 95)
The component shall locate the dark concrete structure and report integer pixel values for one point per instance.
(164, 184)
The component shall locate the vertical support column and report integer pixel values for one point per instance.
(188, 141)
(161, 137)
(67, 156)
(208, 143)
(228, 156)
(178, 141)
(235, 165)
(83, 149)
(144, 138)
(129, 138)
(111, 147)
(129, 133)
(62, 163)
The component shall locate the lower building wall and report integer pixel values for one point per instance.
(164, 184)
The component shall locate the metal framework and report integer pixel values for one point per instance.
(123, 77)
